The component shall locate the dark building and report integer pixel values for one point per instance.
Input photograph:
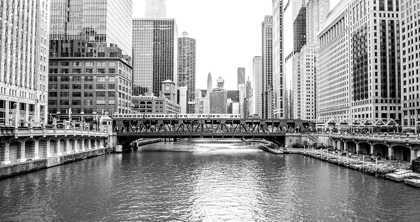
(299, 30)
(233, 95)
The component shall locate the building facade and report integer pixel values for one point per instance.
(278, 58)
(410, 98)
(155, 54)
(24, 62)
(267, 69)
(257, 77)
(186, 68)
(153, 105)
(333, 76)
(241, 88)
(94, 21)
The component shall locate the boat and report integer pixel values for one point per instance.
(270, 149)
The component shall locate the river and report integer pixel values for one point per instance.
(204, 181)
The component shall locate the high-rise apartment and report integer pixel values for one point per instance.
(410, 62)
(94, 21)
(241, 88)
(24, 27)
(155, 9)
(155, 54)
(186, 68)
(278, 59)
(267, 69)
(258, 85)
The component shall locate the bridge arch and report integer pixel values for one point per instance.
(86, 141)
(63, 146)
(380, 150)
(43, 149)
(351, 146)
(29, 149)
(402, 152)
(365, 148)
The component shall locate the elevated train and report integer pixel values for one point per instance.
(176, 116)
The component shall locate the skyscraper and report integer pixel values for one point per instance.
(23, 62)
(155, 9)
(209, 83)
(267, 68)
(155, 54)
(186, 68)
(94, 21)
(241, 88)
(90, 58)
(278, 57)
(258, 85)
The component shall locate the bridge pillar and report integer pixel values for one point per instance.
(22, 151)
(89, 144)
(68, 147)
(36, 149)
(4, 152)
(82, 145)
(390, 151)
(413, 154)
(48, 148)
(357, 148)
(345, 146)
(372, 147)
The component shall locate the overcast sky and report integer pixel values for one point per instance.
(228, 33)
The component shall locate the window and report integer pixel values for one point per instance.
(77, 94)
(100, 86)
(52, 94)
(53, 71)
(111, 70)
(111, 63)
(88, 86)
(53, 63)
(77, 64)
(52, 86)
(64, 78)
(100, 94)
(77, 78)
(88, 94)
(64, 111)
(111, 79)
(77, 71)
(88, 102)
(53, 78)
(111, 86)
(64, 94)
(111, 102)
(65, 71)
(65, 63)
(90, 71)
(64, 102)
(100, 63)
(76, 102)
(88, 110)
(88, 78)
(64, 86)
(101, 71)
(52, 102)
(100, 79)
(111, 94)
(100, 102)
(77, 86)
(89, 64)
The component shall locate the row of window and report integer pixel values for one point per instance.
(55, 63)
(79, 71)
(79, 86)
(79, 94)
(79, 78)
(79, 102)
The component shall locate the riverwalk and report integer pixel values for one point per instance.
(390, 169)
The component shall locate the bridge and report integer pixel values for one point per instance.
(131, 129)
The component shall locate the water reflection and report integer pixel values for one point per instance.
(204, 182)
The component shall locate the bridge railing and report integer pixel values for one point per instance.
(396, 138)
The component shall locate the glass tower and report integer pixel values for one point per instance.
(99, 21)
(155, 54)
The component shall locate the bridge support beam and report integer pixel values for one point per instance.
(390, 152)
(5, 153)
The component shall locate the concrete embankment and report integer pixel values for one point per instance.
(29, 166)
(383, 169)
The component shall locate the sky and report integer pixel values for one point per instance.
(228, 34)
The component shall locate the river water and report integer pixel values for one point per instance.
(204, 181)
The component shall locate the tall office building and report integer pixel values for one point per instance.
(278, 54)
(90, 58)
(292, 15)
(257, 78)
(248, 94)
(94, 21)
(186, 68)
(209, 83)
(155, 9)
(316, 13)
(24, 27)
(267, 69)
(410, 73)
(333, 76)
(241, 88)
(155, 54)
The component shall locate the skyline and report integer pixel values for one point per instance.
(246, 34)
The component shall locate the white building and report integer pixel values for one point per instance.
(24, 39)
(257, 79)
(278, 53)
